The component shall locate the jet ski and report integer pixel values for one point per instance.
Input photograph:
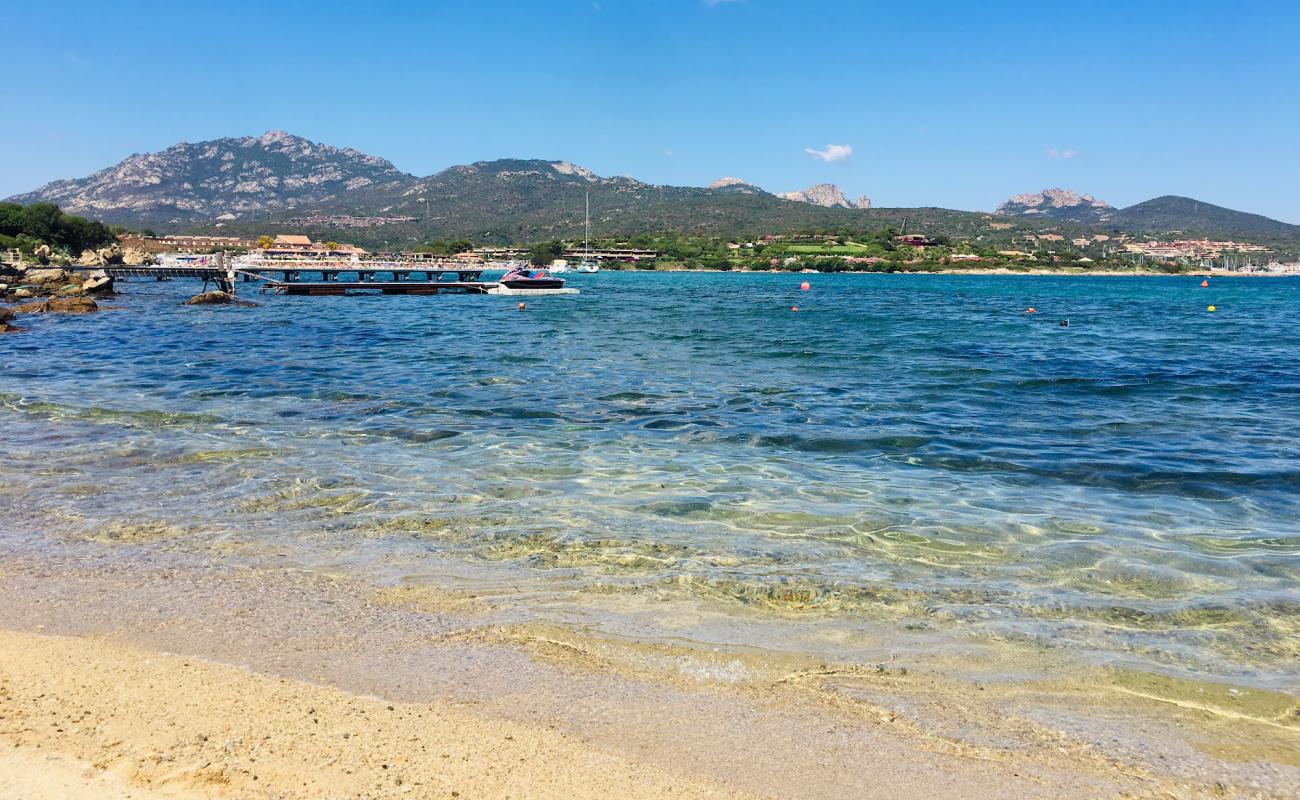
(525, 278)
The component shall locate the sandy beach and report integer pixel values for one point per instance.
(89, 719)
(197, 685)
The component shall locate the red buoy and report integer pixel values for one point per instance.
(805, 286)
(1205, 284)
(794, 308)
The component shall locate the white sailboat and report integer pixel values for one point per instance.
(587, 265)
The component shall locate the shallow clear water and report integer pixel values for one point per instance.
(911, 452)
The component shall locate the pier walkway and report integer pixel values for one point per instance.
(316, 277)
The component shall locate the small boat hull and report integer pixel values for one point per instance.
(534, 283)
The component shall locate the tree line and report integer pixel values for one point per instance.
(28, 227)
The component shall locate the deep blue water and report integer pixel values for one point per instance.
(909, 450)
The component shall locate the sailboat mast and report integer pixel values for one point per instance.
(586, 230)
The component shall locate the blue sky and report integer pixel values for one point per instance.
(956, 104)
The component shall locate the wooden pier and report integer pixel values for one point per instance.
(337, 287)
(312, 277)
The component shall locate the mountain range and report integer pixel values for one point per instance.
(1164, 215)
(247, 184)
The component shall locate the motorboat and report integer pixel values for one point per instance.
(525, 278)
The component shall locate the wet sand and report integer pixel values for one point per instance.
(85, 718)
(490, 710)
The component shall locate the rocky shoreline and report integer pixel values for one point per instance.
(47, 286)
(46, 290)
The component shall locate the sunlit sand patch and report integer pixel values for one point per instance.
(956, 547)
(1135, 580)
(432, 599)
(231, 455)
(81, 489)
(1243, 704)
(801, 596)
(556, 550)
(954, 717)
(302, 495)
(135, 532)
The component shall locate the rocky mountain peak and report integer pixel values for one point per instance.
(732, 184)
(722, 183)
(1057, 203)
(222, 178)
(275, 137)
(827, 195)
(565, 168)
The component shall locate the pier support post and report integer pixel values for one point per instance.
(226, 271)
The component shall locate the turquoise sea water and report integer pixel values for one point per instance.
(906, 451)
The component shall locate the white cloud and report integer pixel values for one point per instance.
(1052, 152)
(832, 153)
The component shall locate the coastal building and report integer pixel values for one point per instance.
(292, 244)
(1191, 248)
(600, 254)
(185, 244)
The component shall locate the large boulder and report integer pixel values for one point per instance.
(218, 299)
(101, 257)
(211, 299)
(72, 305)
(34, 307)
(42, 254)
(45, 277)
(136, 256)
(23, 294)
(6, 314)
(98, 282)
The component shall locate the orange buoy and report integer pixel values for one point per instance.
(1031, 310)
(805, 286)
(1205, 284)
(794, 308)
(522, 306)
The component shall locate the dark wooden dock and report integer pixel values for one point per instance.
(337, 287)
(311, 277)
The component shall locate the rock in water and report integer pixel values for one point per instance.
(98, 282)
(211, 299)
(45, 277)
(72, 305)
(218, 299)
(6, 314)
